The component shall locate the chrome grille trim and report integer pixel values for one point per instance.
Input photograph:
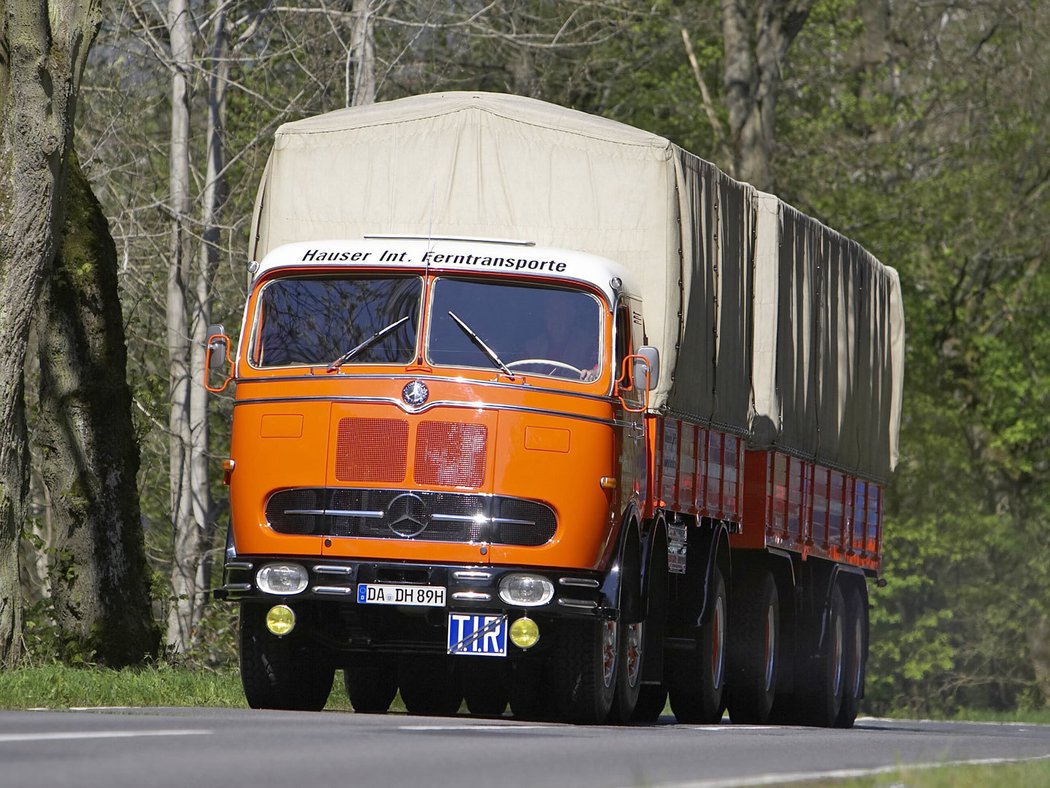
(333, 570)
(578, 582)
(418, 515)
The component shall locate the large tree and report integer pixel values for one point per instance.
(43, 48)
(756, 35)
(100, 587)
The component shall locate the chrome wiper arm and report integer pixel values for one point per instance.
(355, 350)
(480, 343)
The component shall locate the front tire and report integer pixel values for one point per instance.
(585, 670)
(281, 672)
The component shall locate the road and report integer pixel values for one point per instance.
(122, 748)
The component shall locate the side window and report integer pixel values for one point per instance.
(623, 335)
(626, 335)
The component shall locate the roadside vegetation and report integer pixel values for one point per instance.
(1024, 774)
(183, 683)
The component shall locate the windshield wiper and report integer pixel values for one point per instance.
(355, 350)
(481, 344)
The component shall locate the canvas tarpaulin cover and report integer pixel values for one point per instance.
(769, 324)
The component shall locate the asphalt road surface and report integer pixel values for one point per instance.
(121, 748)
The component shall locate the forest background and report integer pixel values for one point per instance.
(918, 127)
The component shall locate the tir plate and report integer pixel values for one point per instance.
(477, 635)
(391, 594)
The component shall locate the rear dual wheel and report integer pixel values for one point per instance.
(696, 678)
(754, 650)
(429, 684)
(371, 682)
(855, 656)
(485, 685)
(823, 680)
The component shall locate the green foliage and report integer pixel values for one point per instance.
(925, 154)
(58, 687)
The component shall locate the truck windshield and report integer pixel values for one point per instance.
(533, 330)
(310, 321)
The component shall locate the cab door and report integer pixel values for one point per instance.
(630, 409)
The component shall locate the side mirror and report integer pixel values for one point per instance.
(216, 339)
(217, 355)
(650, 357)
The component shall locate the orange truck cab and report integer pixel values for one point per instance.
(437, 445)
(636, 457)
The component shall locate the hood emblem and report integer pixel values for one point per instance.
(415, 393)
(407, 515)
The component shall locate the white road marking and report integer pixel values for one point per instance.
(68, 735)
(472, 728)
(841, 774)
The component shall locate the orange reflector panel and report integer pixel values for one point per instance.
(371, 450)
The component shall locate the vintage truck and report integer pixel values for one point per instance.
(535, 407)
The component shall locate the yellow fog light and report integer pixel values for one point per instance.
(280, 620)
(524, 633)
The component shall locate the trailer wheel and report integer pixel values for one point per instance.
(856, 631)
(485, 685)
(585, 669)
(821, 694)
(281, 673)
(371, 682)
(754, 651)
(651, 702)
(696, 678)
(429, 684)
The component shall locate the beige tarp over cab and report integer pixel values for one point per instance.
(769, 324)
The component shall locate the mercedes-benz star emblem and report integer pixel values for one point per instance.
(415, 393)
(407, 515)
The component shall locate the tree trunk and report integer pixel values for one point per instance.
(363, 49)
(187, 533)
(43, 46)
(99, 577)
(752, 77)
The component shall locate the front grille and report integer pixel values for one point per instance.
(419, 516)
(371, 450)
(450, 454)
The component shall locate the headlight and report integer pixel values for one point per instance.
(526, 590)
(281, 579)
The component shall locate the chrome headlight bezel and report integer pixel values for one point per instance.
(282, 579)
(522, 589)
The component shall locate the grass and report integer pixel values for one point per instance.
(1026, 774)
(60, 687)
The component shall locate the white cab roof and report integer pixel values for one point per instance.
(459, 255)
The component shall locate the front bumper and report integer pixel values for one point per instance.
(330, 609)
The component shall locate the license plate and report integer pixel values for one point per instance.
(391, 594)
(477, 634)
